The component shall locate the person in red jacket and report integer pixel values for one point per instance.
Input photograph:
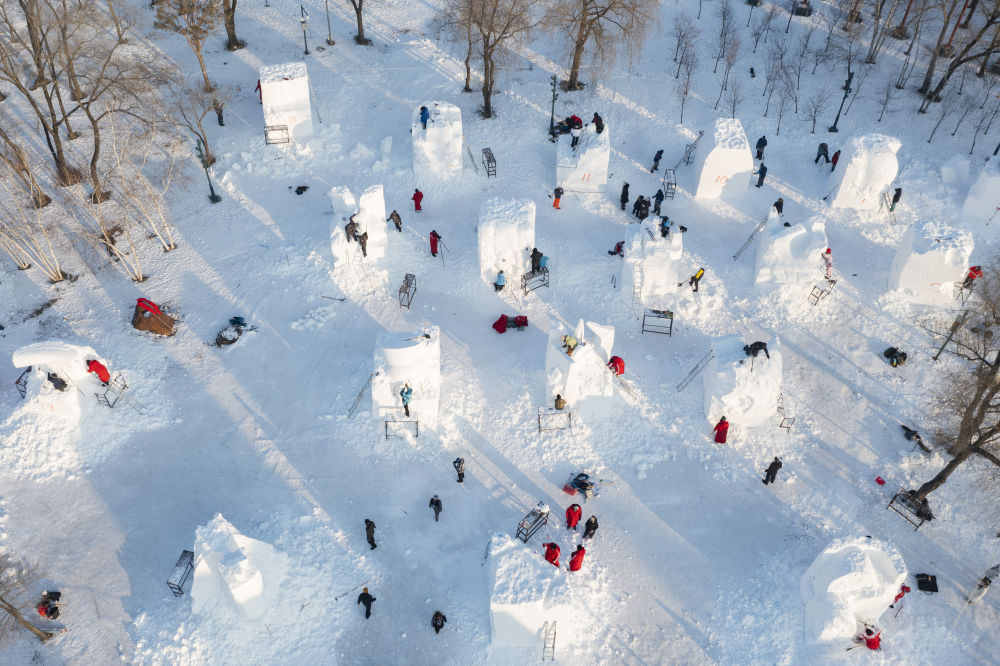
(833, 162)
(617, 365)
(872, 637)
(551, 553)
(721, 429)
(573, 514)
(975, 272)
(902, 592)
(435, 237)
(576, 562)
(95, 366)
(417, 197)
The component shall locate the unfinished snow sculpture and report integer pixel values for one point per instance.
(854, 578)
(582, 375)
(234, 574)
(741, 387)
(651, 262)
(67, 363)
(284, 96)
(867, 168)
(527, 593)
(586, 168)
(506, 232)
(723, 162)
(412, 358)
(983, 200)
(790, 255)
(437, 150)
(929, 261)
(369, 214)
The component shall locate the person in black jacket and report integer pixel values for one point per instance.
(394, 216)
(367, 600)
(623, 199)
(370, 532)
(437, 621)
(590, 527)
(896, 196)
(762, 172)
(656, 161)
(756, 348)
(657, 201)
(761, 145)
(536, 260)
(772, 470)
(459, 466)
(598, 123)
(779, 205)
(435, 504)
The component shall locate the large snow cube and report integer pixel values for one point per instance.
(790, 255)
(853, 578)
(742, 388)
(723, 162)
(437, 150)
(929, 261)
(584, 169)
(506, 234)
(371, 220)
(369, 213)
(867, 168)
(284, 94)
(583, 375)
(414, 358)
(983, 200)
(652, 262)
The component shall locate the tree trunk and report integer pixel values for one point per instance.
(468, 57)
(972, 9)
(233, 42)
(926, 85)
(942, 476)
(358, 7)
(201, 63)
(33, 26)
(99, 195)
(582, 35)
(16, 614)
(487, 80)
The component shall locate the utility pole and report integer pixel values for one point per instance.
(847, 91)
(329, 32)
(555, 96)
(305, 22)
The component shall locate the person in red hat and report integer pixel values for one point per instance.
(573, 514)
(721, 429)
(828, 263)
(576, 561)
(551, 553)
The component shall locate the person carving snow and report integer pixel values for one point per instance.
(551, 553)
(576, 561)
(434, 237)
(872, 637)
(95, 366)
(828, 263)
(617, 365)
(721, 429)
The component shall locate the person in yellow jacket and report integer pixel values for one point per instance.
(569, 344)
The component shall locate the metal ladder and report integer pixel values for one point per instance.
(636, 306)
(549, 646)
(757, 230)
(695, 370)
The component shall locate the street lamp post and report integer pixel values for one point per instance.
(305, 22)
(555, 96)
(212, 196)
(847, 91)
(329, 33)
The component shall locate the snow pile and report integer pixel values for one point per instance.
(853, 579)
(929, 261)
(867, 168)
(284, 94)
(371, 219)
(438, 149)
(790, 255)
(653, 262)
(744, 396)
(506, 233)
(584, 374)
(413, 357)
(527, 593)
(723, 162)
(234, 574)
(983, 199)
(586, 168)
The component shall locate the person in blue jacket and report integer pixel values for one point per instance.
(501, 281)
(406, 393)
(425, 115)
(543, 263)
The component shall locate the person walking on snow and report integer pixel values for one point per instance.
(435, 504)
(896, 196)
(590, 527)
(573, 514)
(833, 162)
(425, 115)
(434, 237)
(772, 471)
(459, 465)
(576, 561)
(370, 533)
(551, 553)
(617, 365)
(721, 429)
(98, 368)
(575, 132)
(623, 199)
(657, 201)
(779, 205)
(828, 263)
(406, 393)
(556, 196)
(394, 216)
(761, 145)
(871, 637)
(536, 260)
(501, 281)
(656, 160)
(437, 621)
(762, 172)
(417, 197)
(367, 600)
(598, 123)
(824, 152)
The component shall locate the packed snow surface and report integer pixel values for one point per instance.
(412, 357)
(437, 150)
(505, 236)
(285, 99)
(983, 199)
(742, 388)
(790, 255)
(584, 168)
(867, 167)
(723, 163)
(653, 262)
(930, 259)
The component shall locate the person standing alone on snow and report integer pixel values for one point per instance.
(556, 196)
(576, 561)
(779, 205)
(370, 533)
(761, 145)
(425, 115)
(695, 279)
(771, 473)
(406, 393)
(437, 621)
(828, 263)
(623, 199)
(762, 172)
(417, 197)
(721, 429)
(573, 514)
(99, 369)
(459, 466)
(434, 237)
(367, 600)
(394, 216)
(435, 504)
(590, 527)
(656, 160)
(363, 242)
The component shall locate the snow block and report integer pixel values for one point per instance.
(853, 578)
(929, 261)
(983, 199)
(654, 260)
(790, 255)
(408, 357)
(506, 232)
(69, 362)
(748, 398)
(437, 151)
(527, 592)
(586, 168)
(723, 162)
(284, 94)
(371, 219)
(584, 374)
(234, 574)
(867, 168)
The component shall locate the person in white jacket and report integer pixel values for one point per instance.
(828, 263)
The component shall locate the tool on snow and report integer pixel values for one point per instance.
(349, 591)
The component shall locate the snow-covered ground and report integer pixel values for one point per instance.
(695, 561)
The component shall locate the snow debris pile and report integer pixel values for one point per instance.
(854, 578)
(929, 261)
(370, 215)
(790, 255)
(412, 358)
(983, 199)
(652, 262)
(234, 575)
(284, 96)
(867, 168)
(723, 161)
(437, 150)
(584, 374)
(527, 593)
(740, 387)
(506, 234)
(586, 168)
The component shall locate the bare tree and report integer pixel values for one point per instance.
(16, 582)
(761, 27)
(360, 38)
(798, 63)
(982, 120)
(881, 19)
(783, 97)
(733, 98)
(682, 31)
(965, 106)
(455, 23)
(233, 42)
(605, 25)
(888, 91)
(904, 73)
(195, 20)
(968, 52)
(501, 25)
(188, 104)
(727, 24)
(859, 82)
(818, 57)
(15, 158)
(25, 236)
(814, 107)
(946, 108)
(688, 64)
(831, 17)
(687, 44)
(774, 68)
(989, 83)
(732, 55)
